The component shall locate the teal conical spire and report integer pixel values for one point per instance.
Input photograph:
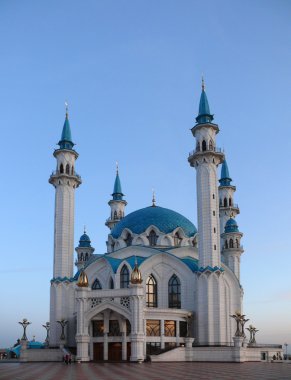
(204, 115)
(66, 138)
(225, 179)
(117, 192)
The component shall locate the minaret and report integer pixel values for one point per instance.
(84, 250)
(227, 207)
(232, 248)
(117, 203)
(65, 180)
(211, 316)
(205, 159)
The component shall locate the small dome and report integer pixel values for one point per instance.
(164, 219)
(135, 277)
(83, 280)
(231, 226)
(84, 241)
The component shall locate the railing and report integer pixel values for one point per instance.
(212, 344)
(214, 149)
(265, 345)
(235, 205)
(57, 172)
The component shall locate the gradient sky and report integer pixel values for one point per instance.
(131, 72)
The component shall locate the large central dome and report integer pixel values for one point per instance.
(164, 219)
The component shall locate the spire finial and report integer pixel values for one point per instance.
(117, 168)
(154, 198)
(203, 84)
(67, 108)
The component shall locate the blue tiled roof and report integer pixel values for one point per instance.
(66, 138)
(231, 226)
(225, 179)
(164, 219)
(204, 115)
(191, 263)
(84, 241)
(117, 191)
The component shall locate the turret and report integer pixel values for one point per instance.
(227, 207)
(117, 203)
(84, 250)
(232, 248)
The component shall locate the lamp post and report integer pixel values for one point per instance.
(24, 324)
(47, 327)
(286, 347)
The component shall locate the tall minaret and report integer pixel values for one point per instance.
(205, 159)
(227, 207)
(117, 203)
(65, 180)
(211, 315)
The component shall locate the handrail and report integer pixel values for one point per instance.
(214, 149)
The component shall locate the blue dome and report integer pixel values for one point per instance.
(84, 241)
(231, 226)
(164, 219)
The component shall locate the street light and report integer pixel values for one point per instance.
(24, 324)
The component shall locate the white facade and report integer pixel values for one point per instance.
(188, 292)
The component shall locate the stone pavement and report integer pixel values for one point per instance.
(145, 371)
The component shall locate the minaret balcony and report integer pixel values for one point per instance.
(198, 153)
(233, 208)
(57, 174)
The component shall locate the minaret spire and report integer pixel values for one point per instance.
(204, 115)
(117, 203)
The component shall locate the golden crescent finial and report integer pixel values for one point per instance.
(154, 198)
(117, 168)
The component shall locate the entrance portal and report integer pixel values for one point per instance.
(115, 352)
(98, 352)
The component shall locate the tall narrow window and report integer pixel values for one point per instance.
(115, 215)
(72, 171)
(124, 277)
(174, 292)
(111, 283)
(128, 240)
(226, 245)
(225, 202)
(177, 239)
(96, 284)
(153, 238)
(203, 145)
(230, 243)
(230, 201)
(210, 145)
(237, 243)
(61, 168)
(67, 169)
(151, 292)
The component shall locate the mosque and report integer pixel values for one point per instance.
(163, 285)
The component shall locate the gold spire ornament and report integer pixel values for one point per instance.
(83, 279)
(136, 277)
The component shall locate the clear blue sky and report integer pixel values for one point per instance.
(131, 72)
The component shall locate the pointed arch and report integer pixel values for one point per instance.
(211, 145)
(128, 240)
(174, 292)
(124, 277)
(225, 202)
(177, 239)
(204, 147)
(67, 169)
(230, 202)
(61, 168)
(152, 237)
(96, 284)
(230, 243)
(151, 291)
(111, 283)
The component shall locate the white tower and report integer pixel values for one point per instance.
(206, 158)
(227, 207)
(117, 203)
(84, 250)
(232, 248)
(65, 180)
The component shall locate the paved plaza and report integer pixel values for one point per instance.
(145, 371)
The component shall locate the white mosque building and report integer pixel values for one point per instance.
(163, 283)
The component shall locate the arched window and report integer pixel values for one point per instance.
(204, 145)
(86, 256)
(128, 240)
(111, 283)
(177, 239)
(81, 256)
(225, 202)
(115, 215)
(153, 238)
(72, 171)
(120, 214)
(174, 291)
(96, 284)
(210, 145)
(237, 243)
(198, 146)
(124, 277)
(230, 243)
(226, 245)
(67, 169)
(230, 202)
(61, 168)
(151, 292)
